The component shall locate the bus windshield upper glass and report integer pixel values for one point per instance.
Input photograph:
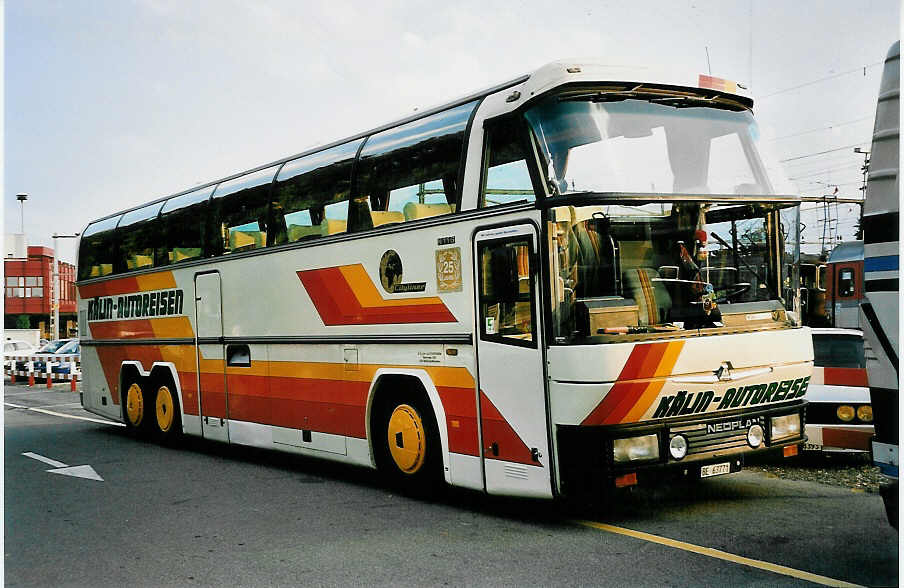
(630, 269)
(659, 143)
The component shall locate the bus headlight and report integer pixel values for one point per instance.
(865, 413)
(845, 413)
(643, 448)
(784, 427)
(755, 436)
(678, 446)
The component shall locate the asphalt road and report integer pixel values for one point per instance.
(209, 514)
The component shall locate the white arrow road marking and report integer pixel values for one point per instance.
(82, 471)
(47, 460)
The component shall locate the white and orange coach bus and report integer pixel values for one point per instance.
(571, 281)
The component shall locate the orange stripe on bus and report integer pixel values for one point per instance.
(156, 281)
(369, 297)
(632, 391)
(669, 359)
(317, 396)
(108, 288)
(834, 376)
(129, 285)
(846, 438)
(340, 301)
(665, 368)
(635, 390)
(174, 327)
(177, 327)
(499, 433)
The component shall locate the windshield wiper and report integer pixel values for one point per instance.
(603, 96)
(637, 93)
(684, 101)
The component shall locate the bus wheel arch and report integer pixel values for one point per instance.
(165, 410)
(411, 400)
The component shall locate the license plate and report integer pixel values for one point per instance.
(812, 447)
(715, 469)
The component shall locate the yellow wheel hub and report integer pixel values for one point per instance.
(164, 409)
(135, 404)
(407, 439)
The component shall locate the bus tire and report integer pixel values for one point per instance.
(135, 405)
(165, 417)
(406, 445)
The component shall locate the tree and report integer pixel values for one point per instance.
(23, 321)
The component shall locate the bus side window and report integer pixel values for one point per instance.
(412, 171)
(311, 194)
(242, 208)
(506, 178)
(97, 249)
(506, 292)
(140, 239)
(187, 227)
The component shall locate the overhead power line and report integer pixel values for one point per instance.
(862, 68)
(830, 127)
(832, 184)
(824, 152)
(827, 170)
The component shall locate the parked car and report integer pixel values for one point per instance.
(47, 349)
(15, 348)
(839, 416)
(67, 354)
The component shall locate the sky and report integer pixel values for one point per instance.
(112, 103)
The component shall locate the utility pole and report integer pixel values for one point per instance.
(55, 287)
(865, 170)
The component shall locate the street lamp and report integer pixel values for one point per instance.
(22, 198)
(55, 285)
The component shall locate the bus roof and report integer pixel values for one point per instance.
(529, 86)
(850, 251)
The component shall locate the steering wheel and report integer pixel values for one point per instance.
(736, 290)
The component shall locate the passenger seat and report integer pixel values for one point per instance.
(650, 295)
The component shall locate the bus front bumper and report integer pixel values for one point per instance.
(716, 444)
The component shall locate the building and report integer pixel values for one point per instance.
(29, 297)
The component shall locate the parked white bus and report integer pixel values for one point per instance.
(881, 306)
(563, 284)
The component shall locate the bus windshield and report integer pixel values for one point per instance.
(602, 141)
(635, 269)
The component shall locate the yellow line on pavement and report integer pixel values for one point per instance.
(710, 552)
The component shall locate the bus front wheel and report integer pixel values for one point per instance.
(407, 445)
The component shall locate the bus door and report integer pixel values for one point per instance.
(211, 360)
(511, 382)
(847, 293)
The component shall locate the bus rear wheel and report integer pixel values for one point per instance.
(407, 446)
(135, 407)
(167, 425)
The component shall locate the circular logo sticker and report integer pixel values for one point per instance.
(390, 270)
